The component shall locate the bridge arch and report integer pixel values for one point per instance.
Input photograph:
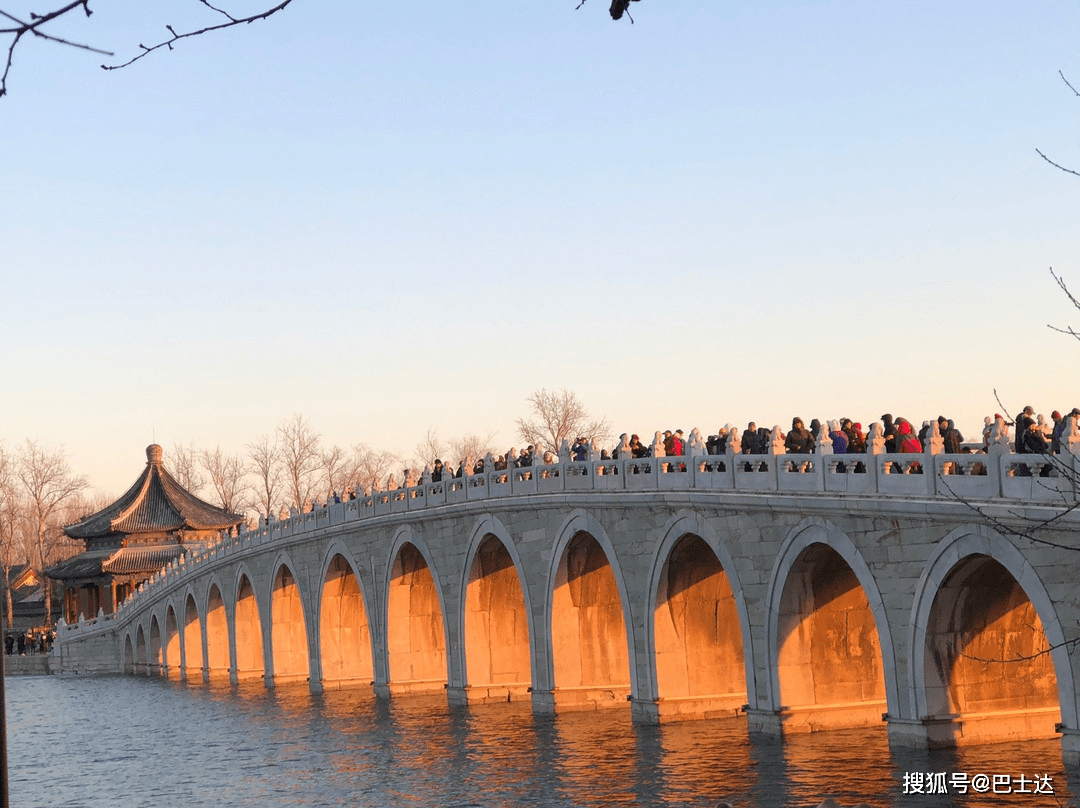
(290, 650)
(218, 646)
(588, 653)
(141, 656)
(247, 628)
(697, 665)
(191, 632)
(155, 657)
(173, 662)
(346, 643)
(495, 617)
(979, 599)
(416, 631)
(819, 568)
(129, 654)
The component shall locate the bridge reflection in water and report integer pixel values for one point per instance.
(248, 747)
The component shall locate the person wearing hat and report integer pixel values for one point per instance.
(1023, 421)
(1055, 434)
(888, 431)
(799, 440)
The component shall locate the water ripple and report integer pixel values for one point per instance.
(84, 743)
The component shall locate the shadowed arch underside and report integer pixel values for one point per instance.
(249, 644)
(829, 653)
(344, 633)
(496, 627)
(288, 629)
(700, 671)
(588, 630)
(129, 656)
(217, 636)
(141, 656)
(193, 655)
(988, 669)
(173, 660)
(416, 638)
(155, 660)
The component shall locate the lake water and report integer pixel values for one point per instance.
(137, 741)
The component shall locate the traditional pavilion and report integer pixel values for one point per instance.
(155, 522)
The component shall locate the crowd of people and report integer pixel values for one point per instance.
(1033, 435)
(34, 641)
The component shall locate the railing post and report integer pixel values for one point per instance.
(875, 446)
(997, 456)
(777, 450)
(1070, 452)
(935, 445)
(822, 450)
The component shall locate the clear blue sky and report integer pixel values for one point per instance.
(397, 216)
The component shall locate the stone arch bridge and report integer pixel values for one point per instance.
(816, 594)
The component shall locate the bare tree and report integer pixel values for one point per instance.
(559, 416)
(335, 464)
(183, 464)
(265, 457)
(40, 26)
(429, 449)
(49, 484)
(228, 477)
(11, 521)
(368, 468)
(299, 445)
(470, 448)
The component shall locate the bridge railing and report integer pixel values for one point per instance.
(1043, 479)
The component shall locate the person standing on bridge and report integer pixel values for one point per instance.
(888, 431)
(799, 440)
(1023, 422)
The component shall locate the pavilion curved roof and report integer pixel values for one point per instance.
(156, 502)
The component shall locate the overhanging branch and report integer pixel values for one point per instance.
(175, 37)
(21, 28)
(17, 28)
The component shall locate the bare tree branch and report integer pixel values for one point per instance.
(1055, 165)
(49, 485)
(22, 28)
(265, 454)
(429, 449)
(1047, 159)
(175, 37)
(1076, 304)
(335, 464)
(228, 478)
(559, 416)
(1068, 85)
(184, 464)
(298, 444)
(18, 28)
(471, 447)
(367, 469)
